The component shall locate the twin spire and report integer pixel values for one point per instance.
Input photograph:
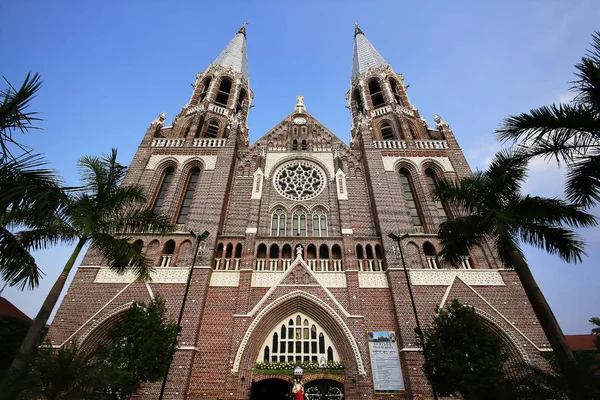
(365, 55)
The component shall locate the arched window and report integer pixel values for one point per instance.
(164, 187)
(204, 90)
(167, 253)
(323, 252)
(240, 102)
(319, 222)
(238, 250)
(376, 93)
(413, 133)
(299, 223)
(356, 98)
(278, 223)
(304, 145)
(311, 256)
(379, 257)
(430, 255)
(213, 130)
(273, 257)
(411, 201)
(261, 255)
(432, 182)
(295, 145)
(396, 92)
(298, 340)
(184, 208)
(219, 256)
(386, 131)
(223, 92)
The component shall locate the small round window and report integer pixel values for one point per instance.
(299, 180)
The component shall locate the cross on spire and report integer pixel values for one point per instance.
(357, 30)
(243, 28)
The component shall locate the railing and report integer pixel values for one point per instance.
(179, 228)
(431, 144)
(312, 264)
(380, 264)
(193, 109)
(406, 111)
(260, 264)
(465, 263)
(209, 142)
(217, 109)
(286, 264)
(273, 264)
(324, 265)
(370, 264)
(431, 262)
(162, 142)
(236, 264)
(227, 263)
(419, 229)
(361, 265)
(382, 110)
(337, 265)
(390, 144)
(166, 260)
(217, 263)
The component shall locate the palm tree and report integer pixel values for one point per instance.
(99, 214)
(568, 132)
(495, 211)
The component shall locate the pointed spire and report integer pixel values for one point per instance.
(234, 55)
(365, 55)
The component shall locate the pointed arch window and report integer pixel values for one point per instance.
(295, 145)
(386, 131)
(319, 222)
(356, 98)
(299, 223)
(432, 182)
(278, 223)
(304, 145)
(298, 339)
(376, 93)
(413, 133)
(184, 208)
(213, 130)
(396, 92)
(164, 187)
(240, 102)
(223, 92)
(411, 201)
(204, 90)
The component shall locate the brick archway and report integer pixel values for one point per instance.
(320, 311)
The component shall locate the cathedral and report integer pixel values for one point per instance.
(301, 278)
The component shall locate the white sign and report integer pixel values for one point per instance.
(385, 362)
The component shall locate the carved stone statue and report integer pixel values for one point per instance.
(300, 100)
(160, 120)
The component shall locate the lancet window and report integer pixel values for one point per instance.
(278, 223)
(299, 223)
(386, 131)
(376, 93)
(319, 223)
(298, 338)
(411, 201)
(432, 182)
(184, 208)
(223, 92)
(164, 187)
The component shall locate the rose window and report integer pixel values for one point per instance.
(299, 180)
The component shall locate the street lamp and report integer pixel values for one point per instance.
(199, 239)
(419, 332)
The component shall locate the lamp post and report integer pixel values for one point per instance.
(199, 239)
(419, 332)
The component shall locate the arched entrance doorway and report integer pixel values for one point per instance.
(271, 389)
(324, 389)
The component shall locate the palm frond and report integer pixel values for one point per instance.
(467, 195)
(458, 235)
(541, 210)
(583, 181)
(122, 255)
(587, 86)
(505, 176)
(553, 239)
(134, 219)
(53, 233)
(561, 131)
(17, 266)
(13, 111)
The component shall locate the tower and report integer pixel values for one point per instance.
(298, 266)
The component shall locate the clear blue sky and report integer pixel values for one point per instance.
(110, 67)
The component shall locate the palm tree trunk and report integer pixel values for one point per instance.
(541, 308)
(34, 333)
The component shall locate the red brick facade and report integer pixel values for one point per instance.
(248, 277)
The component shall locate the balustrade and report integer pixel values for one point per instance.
(337, 265)
(217, 109)
(431, 262)
(162, 142)
(217, 263)
(166, 260)
(236, 264)
(207, 142)
(431, 144)
(260, 264)
(382, 110)
(273, 264)
(390, 144)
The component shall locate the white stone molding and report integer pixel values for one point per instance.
(445, 277)
(324, 158)
(225, 279)
(257, 184)
(389, 163)
(340, 185)
(325, 279)
(347, 231)
(372, 280)
(491, 318)
(251, 230)
(159, 275)
(96, 324)
(208, 161)
(350, 339)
